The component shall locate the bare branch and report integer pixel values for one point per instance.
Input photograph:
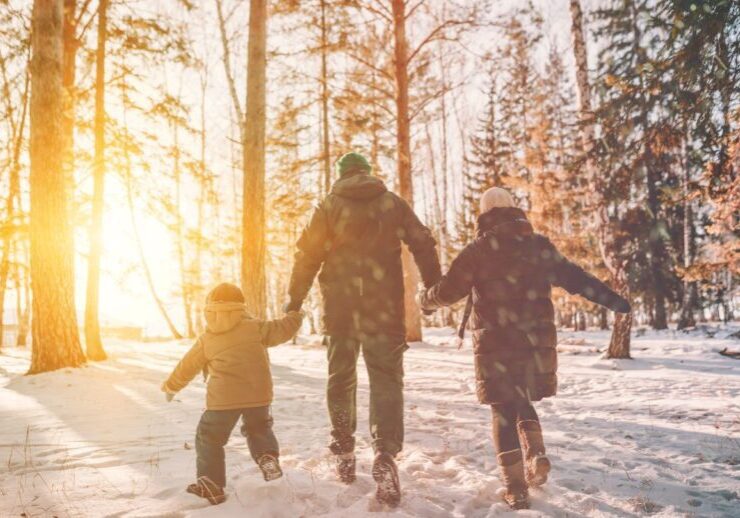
(436, 34)
(227, 67)
(411, 11)
(380, 71)
(382, 12)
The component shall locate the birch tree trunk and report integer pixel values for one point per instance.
(253, 216)
(403, 143)
(93, 343)
(619, 346)
(56, 340)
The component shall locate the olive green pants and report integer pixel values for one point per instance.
(384, 362)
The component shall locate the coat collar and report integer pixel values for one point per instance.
(502, 221)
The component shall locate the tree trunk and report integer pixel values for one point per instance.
(185, 284)
(69, 72)
(253, 217)
(619, 345)
(620, 339)
(325, 149)
(198, 288)
(688, 304)
(56, 340)
(405, 183)
(22, 305)
(93, 342)
(13, 201)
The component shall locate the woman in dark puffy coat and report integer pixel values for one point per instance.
(508, 272)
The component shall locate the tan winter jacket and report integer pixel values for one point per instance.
(233, 351)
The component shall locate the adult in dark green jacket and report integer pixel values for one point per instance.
(354, 239)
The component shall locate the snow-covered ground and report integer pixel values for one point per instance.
(657, 435)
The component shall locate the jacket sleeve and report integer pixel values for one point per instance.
(576, 281)
(191, 364)
(313, 246)
(455, 285)
(275, 332)
(421, 244)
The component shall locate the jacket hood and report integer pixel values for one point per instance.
(359, 186)
(224, 316)
(504, 222)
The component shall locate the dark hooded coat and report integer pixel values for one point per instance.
(354, 238)
(510, 271)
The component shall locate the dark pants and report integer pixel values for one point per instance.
(505, 419)
(213, 433)
(384, 361)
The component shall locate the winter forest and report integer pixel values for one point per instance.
(150, 151)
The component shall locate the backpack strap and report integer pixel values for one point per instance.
(464, 322)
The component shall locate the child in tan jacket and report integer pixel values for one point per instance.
(233, 353)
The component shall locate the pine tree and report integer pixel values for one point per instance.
(56, 341)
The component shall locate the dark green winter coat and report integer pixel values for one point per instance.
(354, 238)
(510, 270)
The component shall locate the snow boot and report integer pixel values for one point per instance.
(385, 474)
(536, 464)
(512, 474)
(208, 489)
(270, 467)
(346, 464)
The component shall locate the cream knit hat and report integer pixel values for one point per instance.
(495, 197)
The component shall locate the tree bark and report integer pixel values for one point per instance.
(93, 342)
(325, 148)
(253, 216)
(69, 72)
(403, 143)
(688, 304)
(56, 340)
(619, 346)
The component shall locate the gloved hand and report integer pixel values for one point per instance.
(622, 305)
(420, 301)
(169, 396)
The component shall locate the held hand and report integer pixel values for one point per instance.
(421, 292)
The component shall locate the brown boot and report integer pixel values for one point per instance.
(512, 473)
(536, 463)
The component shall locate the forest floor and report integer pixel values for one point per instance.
(658, 435)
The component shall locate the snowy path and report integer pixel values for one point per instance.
(658, 435)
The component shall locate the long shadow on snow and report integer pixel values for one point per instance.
(113, 406)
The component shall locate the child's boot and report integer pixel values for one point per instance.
(512, 474)
(270, 467)
(346, 467)
(536, 463)
(208, 489)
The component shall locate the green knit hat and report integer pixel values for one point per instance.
(353, 162)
